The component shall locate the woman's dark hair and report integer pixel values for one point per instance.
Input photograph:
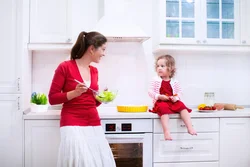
(85, 40)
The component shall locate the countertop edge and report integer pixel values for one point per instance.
(111, 113)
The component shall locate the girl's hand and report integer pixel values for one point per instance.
(173, 99)
(163, 97)
(80, 88)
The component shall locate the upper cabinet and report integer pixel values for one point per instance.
(245, 22)
(55, 24)
(199, 22)
(10, 63)
(50, 21)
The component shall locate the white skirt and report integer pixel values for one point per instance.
(84, 146)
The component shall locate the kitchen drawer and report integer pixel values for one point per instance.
(185, 147)
(188, 164)
(199, 124)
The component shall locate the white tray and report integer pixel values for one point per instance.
(206, 111)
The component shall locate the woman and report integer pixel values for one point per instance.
(83, 143)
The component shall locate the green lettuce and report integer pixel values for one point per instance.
(106, 96)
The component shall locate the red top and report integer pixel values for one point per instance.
(80, 111)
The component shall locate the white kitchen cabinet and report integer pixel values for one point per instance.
(10, 64)
(234, 142)
(42, 139)
(186, 148)
(10, 131)
(199, 124)
(188, 164)
(205, 22)
(245, 21)
(50, 21)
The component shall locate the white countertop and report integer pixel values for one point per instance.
(111, 113)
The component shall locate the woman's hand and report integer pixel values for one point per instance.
(163, 97)
(80, 88)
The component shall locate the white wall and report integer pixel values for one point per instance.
(130, 71)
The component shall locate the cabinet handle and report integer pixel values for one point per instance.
(186, 148)
(204, 41)
(239, 123)
(68, 40)
(244, 41)
(18, 84)
(198, 41)
(184, 126)
(18, 103)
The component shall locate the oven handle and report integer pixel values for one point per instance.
(125, 136)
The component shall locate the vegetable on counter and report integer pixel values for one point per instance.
(39, 98)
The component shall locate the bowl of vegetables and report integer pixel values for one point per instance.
(39, 102)
(105, 96)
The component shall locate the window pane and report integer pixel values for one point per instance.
(172, 28)
(213, 29)
(228, 30)
(213, 8)
(172, 8)
(227, 9)
(187, 29)
(187, 8)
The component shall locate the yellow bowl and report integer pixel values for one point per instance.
(132, 108)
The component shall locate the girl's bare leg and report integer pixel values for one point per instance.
(185, 116)
(164, 123)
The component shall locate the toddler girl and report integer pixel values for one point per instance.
(165, 92)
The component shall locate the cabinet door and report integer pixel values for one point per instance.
(42, 139)
(186, 148)
(188, 164)
(50, 21)
(245, 22)
(10, 57)
(234, 142)
(221, 22)
(179, 21)
(10, 131)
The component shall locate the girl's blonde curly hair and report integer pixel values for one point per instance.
(170, 63)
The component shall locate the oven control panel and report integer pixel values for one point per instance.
(112, 127)
(125, 126)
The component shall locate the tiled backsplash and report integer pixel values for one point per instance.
(130, 73)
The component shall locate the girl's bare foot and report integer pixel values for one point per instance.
(191, 131)
(167, 135)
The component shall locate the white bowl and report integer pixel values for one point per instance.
(38, 108)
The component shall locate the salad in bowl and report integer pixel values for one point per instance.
(105, 96)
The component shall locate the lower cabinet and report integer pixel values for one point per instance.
(235, 142)
(188, 164)
(186, 150)
(221, 142)
(42, 139)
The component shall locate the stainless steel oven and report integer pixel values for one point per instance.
(130, 141)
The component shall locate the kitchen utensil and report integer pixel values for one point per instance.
(229, 106)
(94, 91)
(132, 108)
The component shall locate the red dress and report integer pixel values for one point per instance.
(168, 107)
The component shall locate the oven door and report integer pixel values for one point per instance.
(131, 150)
